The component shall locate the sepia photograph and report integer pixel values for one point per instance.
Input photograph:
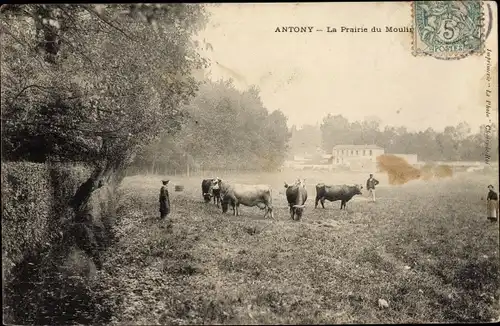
(250, 163)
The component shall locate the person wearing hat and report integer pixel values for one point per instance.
(164, 200)
(492, 204)
(370, 186)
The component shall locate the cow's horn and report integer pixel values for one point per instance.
(299, 206)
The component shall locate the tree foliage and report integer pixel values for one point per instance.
(452, 144)
(307, 139)
(90, 84)
(226, 128)
(93, 83)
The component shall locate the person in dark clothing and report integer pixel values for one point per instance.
(492, 204)
(370, 186)
(164, 200)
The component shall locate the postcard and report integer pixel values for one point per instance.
(250, 163)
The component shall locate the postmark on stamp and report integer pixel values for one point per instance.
(448, 29)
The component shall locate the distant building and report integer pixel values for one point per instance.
(326, 159)
(343, 154)
(300, 158)
(357, 157)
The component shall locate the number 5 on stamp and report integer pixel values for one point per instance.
(448, 29)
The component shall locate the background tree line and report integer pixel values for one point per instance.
(454, 143)
(224, 128)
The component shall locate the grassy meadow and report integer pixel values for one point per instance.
(425, 247)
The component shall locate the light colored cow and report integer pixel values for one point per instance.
(247, 195)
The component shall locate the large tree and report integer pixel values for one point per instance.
(92, 83)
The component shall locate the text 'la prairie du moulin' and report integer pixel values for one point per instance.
(343, 29)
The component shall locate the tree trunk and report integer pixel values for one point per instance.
(95, 181)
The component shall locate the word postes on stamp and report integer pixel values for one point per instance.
(448, 29)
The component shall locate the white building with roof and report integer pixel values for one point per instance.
(357, 157)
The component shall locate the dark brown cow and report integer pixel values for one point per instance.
(206, 189)
(344, 193)
(210, 189)
(296, 195)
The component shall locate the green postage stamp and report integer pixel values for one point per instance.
(448, 29)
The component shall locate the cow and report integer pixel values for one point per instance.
(225, 201)
(210, 188)
(247, 195)
(206, 189)
(296, 195)
(344, 193)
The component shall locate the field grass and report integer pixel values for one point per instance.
(425, 247)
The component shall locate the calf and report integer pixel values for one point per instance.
(344, 193)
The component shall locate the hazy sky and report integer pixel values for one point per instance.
(308, 75)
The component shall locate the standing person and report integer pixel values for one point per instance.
(370, 185)
(492, 204)
(164, 200)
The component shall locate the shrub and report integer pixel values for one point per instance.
(27, 199)
(397, 168)
(39, 268)
(34, 199)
